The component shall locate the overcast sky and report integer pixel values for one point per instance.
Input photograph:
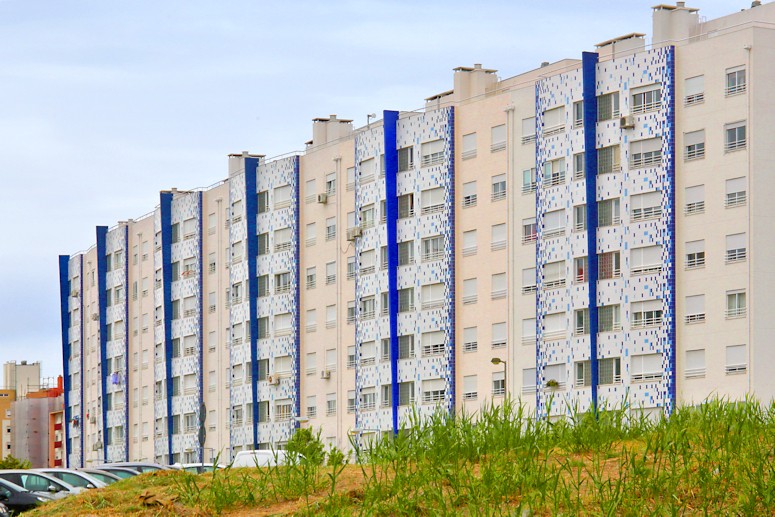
(104, 103)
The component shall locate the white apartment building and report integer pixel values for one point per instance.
(598, 226)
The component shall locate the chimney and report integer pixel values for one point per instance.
(237, 162)
(473, 82)
(325, 130)
(674, 23)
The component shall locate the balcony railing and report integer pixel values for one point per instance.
(735, 199)
(645, 322)
(469, 201)
(695, 208)
(695, 318)
(735, 312)
(735, 89)
(646, 270)
(697, 98)
(736, 255)
(641, 214)
(734, 145)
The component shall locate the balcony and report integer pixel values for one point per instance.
(697, 98)
(735, 255)
(735, 312)
(735, 199)
(694, 318)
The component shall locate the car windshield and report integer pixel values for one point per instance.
(123, 474)
(102, 477)
(73, 479)
(37, 483)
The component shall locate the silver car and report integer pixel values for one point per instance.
(40, 483)
(74, 477)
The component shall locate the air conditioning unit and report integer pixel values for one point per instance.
(627, 122)
(323, 198)
(74, 293)
(95, 316)
(353, 233)
(325, 374)
(273, 380)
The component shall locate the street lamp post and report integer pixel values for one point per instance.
(496, 361)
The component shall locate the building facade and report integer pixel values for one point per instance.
(592, 233)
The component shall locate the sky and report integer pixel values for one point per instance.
(105, 103)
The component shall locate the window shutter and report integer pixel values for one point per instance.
(433, 147)
(554, 271)
(498, 134)
(498, 233)
(695, 359)
(469, 143)
(529, 327)
(469, 189)
(528, 277)
(694, 85)
(529, 378)
(469, 239)
(469, 384)
(498, 332)
(695, 137)
(498, 282)
(554, 220)
(695, 194)
(695, 246)
(528, 126)
(645, 146)
(735, 185)
(645, 88)
(695, 304)
(555, 322)
(646, 256)
(736, 241)
(553, 117)
(736, 355)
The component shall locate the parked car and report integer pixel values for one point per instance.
(198, 468)
(139, 466)
(105, 477)
(121, 472)
(39, 483)
(74, 477)
(260, 458)
(18, 499)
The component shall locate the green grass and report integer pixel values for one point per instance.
(711, 460)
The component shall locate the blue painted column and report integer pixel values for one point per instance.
(251, 214)
(202, 418)
(126, 343)
(589, 71)
(64, 308)
(102, 273)
(452, 353)
(297, 301)
(390, 123)
(82, 405)
(670, 210)
(165, 213)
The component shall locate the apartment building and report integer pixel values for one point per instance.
(591, 233)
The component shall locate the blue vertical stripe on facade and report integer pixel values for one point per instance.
(251, 214)
(202, 418)
(165, 213)
(126, 343)
(589, 71)
(81, 422)
(451, 236)
(296, 302)
(64, 307)
(671, 222)
(391, 206)
(102, 273)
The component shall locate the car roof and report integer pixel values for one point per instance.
(29, 471)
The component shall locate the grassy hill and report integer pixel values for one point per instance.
(716, 459)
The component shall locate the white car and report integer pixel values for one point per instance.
(260, 458)
(40, 483)
(74, 477)
(198, 468)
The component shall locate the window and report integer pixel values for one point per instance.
(469, 387)
(694, 90)
(609, 371)
(433, 343)
(350, 312)
(368, 399)
(609, 265)
(368, 307)
(735, 81)
(498, 237)
(368, 262)
(175, 310)
(282, 283)
(432, 200)
(695, 364)
(330, 273)
(312, 406)
(283, 410)
(647, 313)
(311, 322)
(469, 243)
(331, 183)
(405, 393)
(498, 138)
(735, 193)
(695, 308)
(351, 268)
(554, 275)
(263, 327)
(608, 159)
(528, 181)
(469, 194)
(583, 374)
(579, 166)
(406, 299)
(498, 384)
(283, 365)
(694, 145)
(646, 98)
(529, 280)
(282, 196)
(330, 316)
(608, 317)
(350, 179)
(311, 234)
(263, 243)
(607, 106)
(405, 159)
(645, 260)
(331, 404)
(263, 201)
(433, 390)
(433, 248)
(580, 270)
(529, 233)
(555, 325)
(470, 339)
(646, 153)
(554, 121)
(529, 331)
(433, 296)
(175, 230)
(469, 291)
(406, 346)
(695, 254)
(646, 367)
(367, 170)
(608, 213)
(578, 114)
(554, 172)
(695, 200)
(581, 322)
(311, 277)
(737, 360)
(432, 153)
(735, 304)
(499, 335)
(367, 217)
(580, 218)
(554, 223)
(406, 206)
(734, 136)
(469, 146)
(368, 353)
(736, 248)
(528, 130)
(499, 289)
(263, 285)
(283, 323)
(646, 206)
(405, 253)
(384, 345)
